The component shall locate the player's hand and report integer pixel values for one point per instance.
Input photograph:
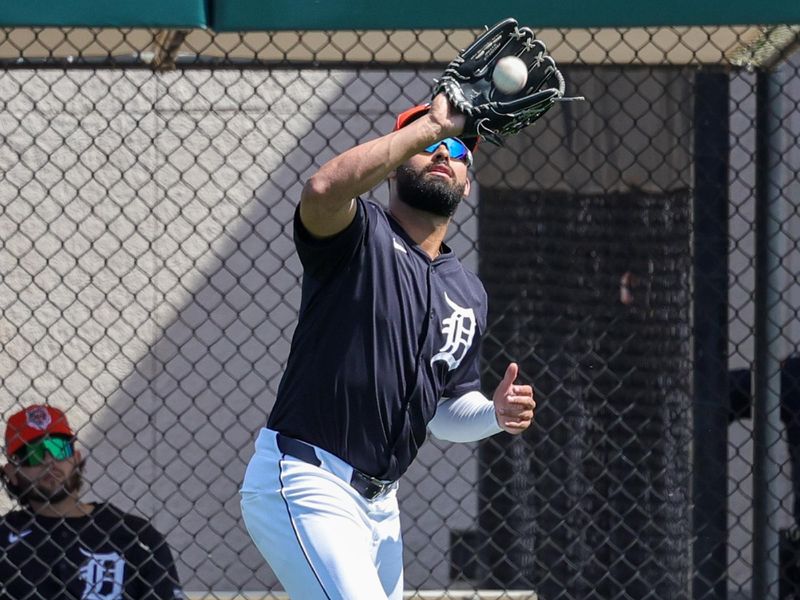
(513, 404)
(447, 117)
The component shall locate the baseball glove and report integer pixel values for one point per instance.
(491, 114)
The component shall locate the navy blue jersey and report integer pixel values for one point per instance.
(107, 554)
(383, 334)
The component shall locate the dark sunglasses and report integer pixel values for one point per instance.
(455, 147)
(35, 453)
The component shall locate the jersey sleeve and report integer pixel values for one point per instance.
(158, 573)
(321, 257)
(467, 378)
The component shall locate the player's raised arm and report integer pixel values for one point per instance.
(327, 203)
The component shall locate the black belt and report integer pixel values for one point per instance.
(367, 486)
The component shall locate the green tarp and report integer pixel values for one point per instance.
(243, 15)
(167, 14)
(234, 15)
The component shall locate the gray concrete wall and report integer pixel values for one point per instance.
(150, 287)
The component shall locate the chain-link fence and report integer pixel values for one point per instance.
(640, 251)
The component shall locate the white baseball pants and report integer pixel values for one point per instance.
(323, 540)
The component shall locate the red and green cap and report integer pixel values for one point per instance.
(34, 422)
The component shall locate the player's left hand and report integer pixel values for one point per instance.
(513, 404)
(446, 116)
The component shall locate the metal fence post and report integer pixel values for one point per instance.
(710, 336)
(766, 413)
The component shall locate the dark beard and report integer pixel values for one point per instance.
(431, 195)
(27, 491)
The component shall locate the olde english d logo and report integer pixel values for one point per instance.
(459, 329)
(104, 576)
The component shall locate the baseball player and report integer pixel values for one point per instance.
(59, 548)
(386, 346)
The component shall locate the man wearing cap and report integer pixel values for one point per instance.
(59, 548)
(386, 347)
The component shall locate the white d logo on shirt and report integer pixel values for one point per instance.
(104, 576)
(459, 329)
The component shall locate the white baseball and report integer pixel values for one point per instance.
(510, 74)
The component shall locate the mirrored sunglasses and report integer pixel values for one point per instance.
(35, 453)
(455, 147)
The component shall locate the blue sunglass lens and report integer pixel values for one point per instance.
(455, 148)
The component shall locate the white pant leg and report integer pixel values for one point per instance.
(388, 555)
(321, 538)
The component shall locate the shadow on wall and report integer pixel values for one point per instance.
(184, 287)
